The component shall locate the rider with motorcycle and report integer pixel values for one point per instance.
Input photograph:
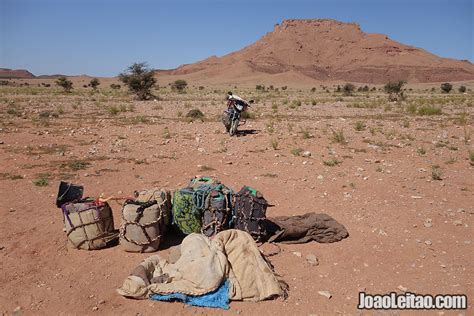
(235, 107)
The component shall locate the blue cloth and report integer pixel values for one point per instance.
(218, 298)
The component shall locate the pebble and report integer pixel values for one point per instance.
(312, 260)
(17, 311)
(457, 222)
(297, 253)
(428, 242)
(320, 177)
(306, 154)
(95, 308)
(402, 288)
(428, 223)
(325, 293)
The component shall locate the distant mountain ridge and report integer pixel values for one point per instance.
(15, 73)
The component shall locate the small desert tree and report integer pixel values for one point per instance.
(395, 90)
(94, 83)
(446, 87)
(462, 89)
(64, 83)
(140, 80)
(179, 85)
(348, 89)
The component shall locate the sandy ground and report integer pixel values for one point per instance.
(408, 231)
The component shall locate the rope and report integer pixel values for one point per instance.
(94, 206)
(142, 206)
(101, 199)
(241, 217)
(200, 196)
(215, 223)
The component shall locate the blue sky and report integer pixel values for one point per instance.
(103, 37)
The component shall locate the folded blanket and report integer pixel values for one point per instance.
(303, 228)
(216, 299)
(202, 267)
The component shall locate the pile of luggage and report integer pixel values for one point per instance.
(204, 206)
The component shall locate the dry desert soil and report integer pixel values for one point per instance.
(398, 176)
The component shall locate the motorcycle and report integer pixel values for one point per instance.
(232, 117)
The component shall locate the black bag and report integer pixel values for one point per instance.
(68, 192)
(250, 209)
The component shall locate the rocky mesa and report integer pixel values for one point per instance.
(325, 50)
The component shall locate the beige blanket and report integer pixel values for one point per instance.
(202, 267)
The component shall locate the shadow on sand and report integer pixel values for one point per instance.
(246, 132)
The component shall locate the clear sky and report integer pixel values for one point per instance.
(103, 37)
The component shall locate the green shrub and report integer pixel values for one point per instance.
(395, 90)
(64, 83)
(248, 115)
(195, 114)
(446, 87)
(140, 80)
(75, 165)
(94, 83)
(462, 89)
(359, 126)
(113, 110)
(436, 173)
(296, 151)
(296, 103)
(338, 137)
(305, 134)
(13, 111)
(41, 181)
(331, 162)
(411, 108)
(179, 85)
(274, 144)
(166, 133)
(348, 89)
(429, 110)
